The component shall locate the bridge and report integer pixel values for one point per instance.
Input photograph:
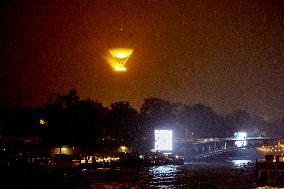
(206, 147)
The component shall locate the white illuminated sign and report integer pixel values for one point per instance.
(240, 143)
(241, 139)
(240, 135)
(163, 140)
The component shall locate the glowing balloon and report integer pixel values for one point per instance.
(120, 53)
(119, 57)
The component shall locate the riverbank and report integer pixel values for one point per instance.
(221, 173)
(190, 175)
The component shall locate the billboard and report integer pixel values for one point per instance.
(163, 140)
(241, 138)
(240, 135)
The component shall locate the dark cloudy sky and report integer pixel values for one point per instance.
(225, 54)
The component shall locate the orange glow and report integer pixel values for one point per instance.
(116, 65)
(120, 69)
(120, 53)
(118, 59)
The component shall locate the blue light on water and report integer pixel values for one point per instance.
(241, 162)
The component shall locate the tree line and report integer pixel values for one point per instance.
(68, 119)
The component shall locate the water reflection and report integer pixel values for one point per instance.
(165, 169)
(163, 176)
(232, 169)
(190, 175)
(241, 162)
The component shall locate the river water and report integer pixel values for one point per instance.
(232, 170)
(226, 171)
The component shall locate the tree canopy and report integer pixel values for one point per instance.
(72, 120)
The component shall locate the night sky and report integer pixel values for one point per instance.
(224, 54)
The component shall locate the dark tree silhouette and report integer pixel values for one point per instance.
(18, 121)
(156, 114)
(67, 100)
(70, 120)
(253, 125)
(73, 121)
(202, 121)
(123, 121)
(84, 121)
